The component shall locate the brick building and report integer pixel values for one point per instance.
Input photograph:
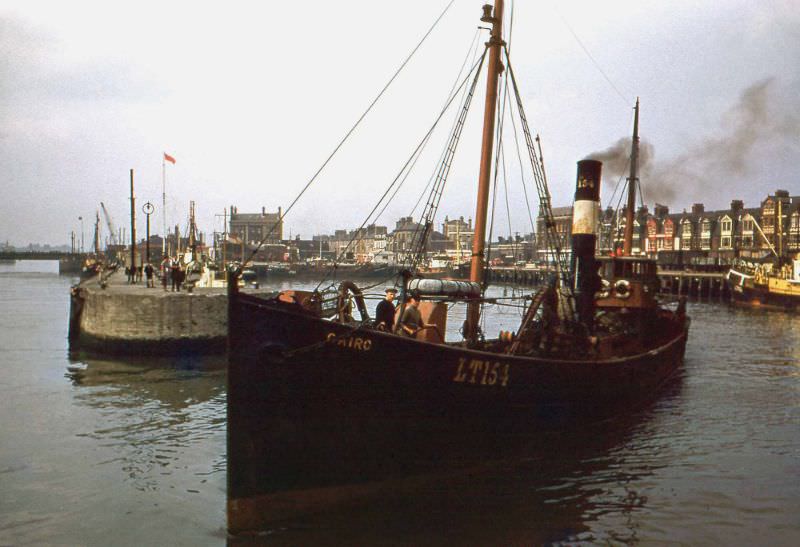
(253, 227)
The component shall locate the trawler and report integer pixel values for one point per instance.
(324, 406)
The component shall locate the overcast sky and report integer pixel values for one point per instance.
(251, 97)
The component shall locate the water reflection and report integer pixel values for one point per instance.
(540, 487)
(153, 413)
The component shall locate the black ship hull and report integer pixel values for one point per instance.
(320, 412)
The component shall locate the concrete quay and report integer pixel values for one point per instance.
(124, 319)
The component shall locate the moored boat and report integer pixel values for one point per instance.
(325, 406)
(771, 282)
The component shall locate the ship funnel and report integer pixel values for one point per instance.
(585, 212)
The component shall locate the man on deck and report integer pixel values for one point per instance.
(411, 322)
(384, 313)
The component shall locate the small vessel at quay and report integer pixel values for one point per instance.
(772, 282)
(325, 406)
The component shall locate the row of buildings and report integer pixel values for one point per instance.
(697, 234)
(713, 236)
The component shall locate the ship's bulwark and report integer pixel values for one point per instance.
(346, 419)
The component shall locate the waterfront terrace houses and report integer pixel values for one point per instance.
(718, 236)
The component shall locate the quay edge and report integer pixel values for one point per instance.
(133, 320)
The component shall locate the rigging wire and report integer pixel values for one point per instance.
(553, 239)
(472, 52)
(501, 113)
(505, 181)
(350, 132)
(476, 68)
(522, 176)
(419, 241)
(516, 139)
(591, 58)
(458, 118)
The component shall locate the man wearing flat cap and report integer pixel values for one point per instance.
(411, 322)
(384, 313)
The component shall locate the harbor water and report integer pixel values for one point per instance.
(132, 452)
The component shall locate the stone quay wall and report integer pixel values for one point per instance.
(133, 320)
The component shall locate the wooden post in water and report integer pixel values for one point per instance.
(495, 67)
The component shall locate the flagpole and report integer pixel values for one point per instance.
(164, 203)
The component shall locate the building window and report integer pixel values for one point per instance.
(726, 242)
(726, 226)
(747, 225)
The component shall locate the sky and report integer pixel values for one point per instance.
(250, 98)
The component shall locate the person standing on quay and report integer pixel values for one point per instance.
(175, 275)
(148, 272)
(181, 276)
(166, 271)
(384, 313)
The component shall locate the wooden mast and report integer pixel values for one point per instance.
(97, 233)
(495, 67)
(779, 226)
(627, 244)
(133, 228)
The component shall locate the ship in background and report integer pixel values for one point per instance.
(772, 282)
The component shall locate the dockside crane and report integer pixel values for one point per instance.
(111, 230)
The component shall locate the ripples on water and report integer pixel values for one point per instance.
(133, 453)
(117, 453)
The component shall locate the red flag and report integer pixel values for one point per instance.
(169, 158)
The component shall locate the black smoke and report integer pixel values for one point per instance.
(708, 167)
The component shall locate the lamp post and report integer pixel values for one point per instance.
(148, 210)
(81, 219)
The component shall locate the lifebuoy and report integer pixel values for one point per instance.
(622, 288)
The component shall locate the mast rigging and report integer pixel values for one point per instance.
(495, 67)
